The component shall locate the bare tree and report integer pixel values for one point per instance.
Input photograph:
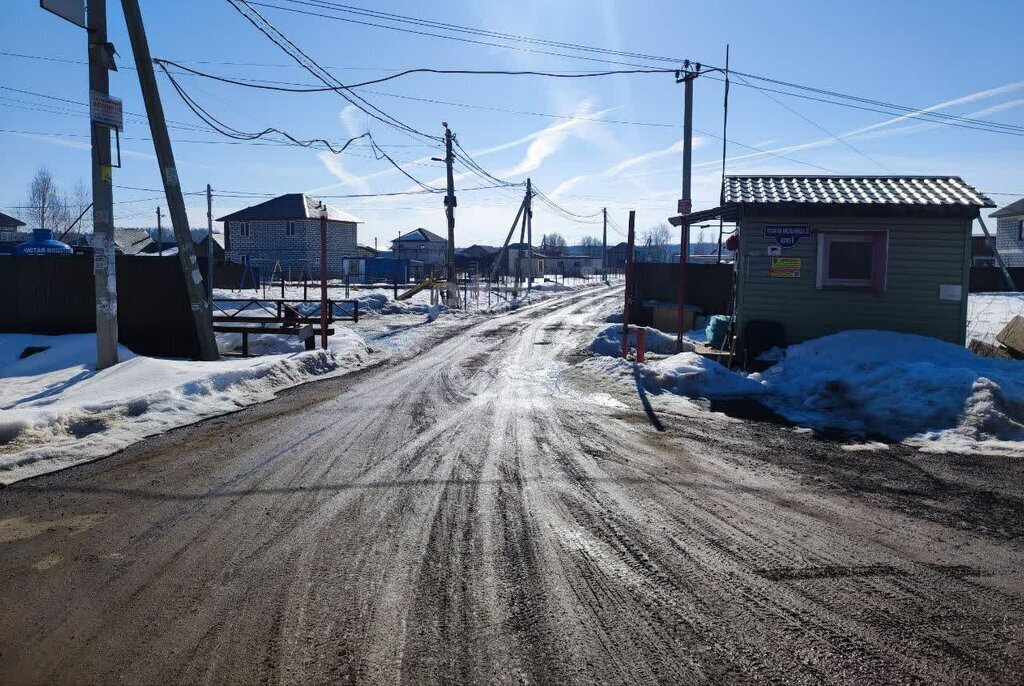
(590, 242)
(79, 202)
(552, 241)
(47, 206)
(659, 238)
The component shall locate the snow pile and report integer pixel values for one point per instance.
(686, 374)
(900, 386)
(56, 410)
(609, 341)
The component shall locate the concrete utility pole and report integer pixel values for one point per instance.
(172, 186)
(449, 207)
(104, 264)
(159, 233)
(209, 244)
(685, 202)
(604, 244)
(504, 248)
(528, 218)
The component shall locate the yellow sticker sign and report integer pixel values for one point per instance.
(106, 173)
(784, 268)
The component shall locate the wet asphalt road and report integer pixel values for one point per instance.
(471, 516)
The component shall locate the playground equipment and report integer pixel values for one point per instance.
(415, 289)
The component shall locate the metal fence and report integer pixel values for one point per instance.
(54, 295)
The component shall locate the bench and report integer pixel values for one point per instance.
(273, 326)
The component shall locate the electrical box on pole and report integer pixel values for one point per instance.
(198, 303)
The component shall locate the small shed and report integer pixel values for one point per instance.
(822, 254)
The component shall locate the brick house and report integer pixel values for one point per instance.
(422, 245)
(1010, 233)
(286, 230)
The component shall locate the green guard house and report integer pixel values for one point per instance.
(822, 254)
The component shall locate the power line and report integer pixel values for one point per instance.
(820, 127)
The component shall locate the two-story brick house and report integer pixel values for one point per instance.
(421, 245)
(1010, 233)
(286, 230)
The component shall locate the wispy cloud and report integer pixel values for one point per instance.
(335, 166)
(637, 160)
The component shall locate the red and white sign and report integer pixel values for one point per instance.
(106, 110)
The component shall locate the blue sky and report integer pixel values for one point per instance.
(965, 57)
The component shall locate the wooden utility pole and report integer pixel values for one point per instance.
(685, 202)
(159, 233)
(504, 248)
(604, 244)
(104, 264)
(209, 244)
(172, 186)
(449, 208)
(528, 218)
(323, 275)
(725, 128)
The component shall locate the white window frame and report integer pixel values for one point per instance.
(243, 229)
(290, 229)
(826, 238)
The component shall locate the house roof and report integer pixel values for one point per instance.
(132, 241)
(290, 206)
(1014, 209)
(7, 220)
(853, 190)
(421, 235)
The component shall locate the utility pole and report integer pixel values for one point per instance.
(209, 244)
(104, 264)
(685, 202)
(172, 187)
(323, 275)
(604, 245)
(449, 206)
(159, 234)
(725, 127)
(528, 218)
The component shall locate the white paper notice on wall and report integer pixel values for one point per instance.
(951, 291)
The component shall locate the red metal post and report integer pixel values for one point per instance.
(323, 276)
(640, 343)
(629, 282)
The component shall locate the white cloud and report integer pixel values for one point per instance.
(334, 165)
(350, 118)
(674, 149)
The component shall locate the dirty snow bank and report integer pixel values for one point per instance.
(56, 410)
(609, 341)
(935, 395)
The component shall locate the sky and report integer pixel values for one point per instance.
(587, 143)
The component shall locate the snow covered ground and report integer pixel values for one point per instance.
(901, 387)
(988, 313)
(56, 410)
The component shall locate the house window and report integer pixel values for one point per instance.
(291, 229)
(243, 228)
(1020, 229)
(853, 260)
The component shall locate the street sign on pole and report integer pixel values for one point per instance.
(72, 10)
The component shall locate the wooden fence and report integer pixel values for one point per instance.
(54, 294)
(707, 287)
(990, 279)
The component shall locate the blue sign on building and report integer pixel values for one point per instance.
(785, 235)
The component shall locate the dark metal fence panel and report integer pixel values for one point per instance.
(990, 279)
(53, 295)
(707, 285)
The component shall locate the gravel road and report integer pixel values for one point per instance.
(478, 514)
